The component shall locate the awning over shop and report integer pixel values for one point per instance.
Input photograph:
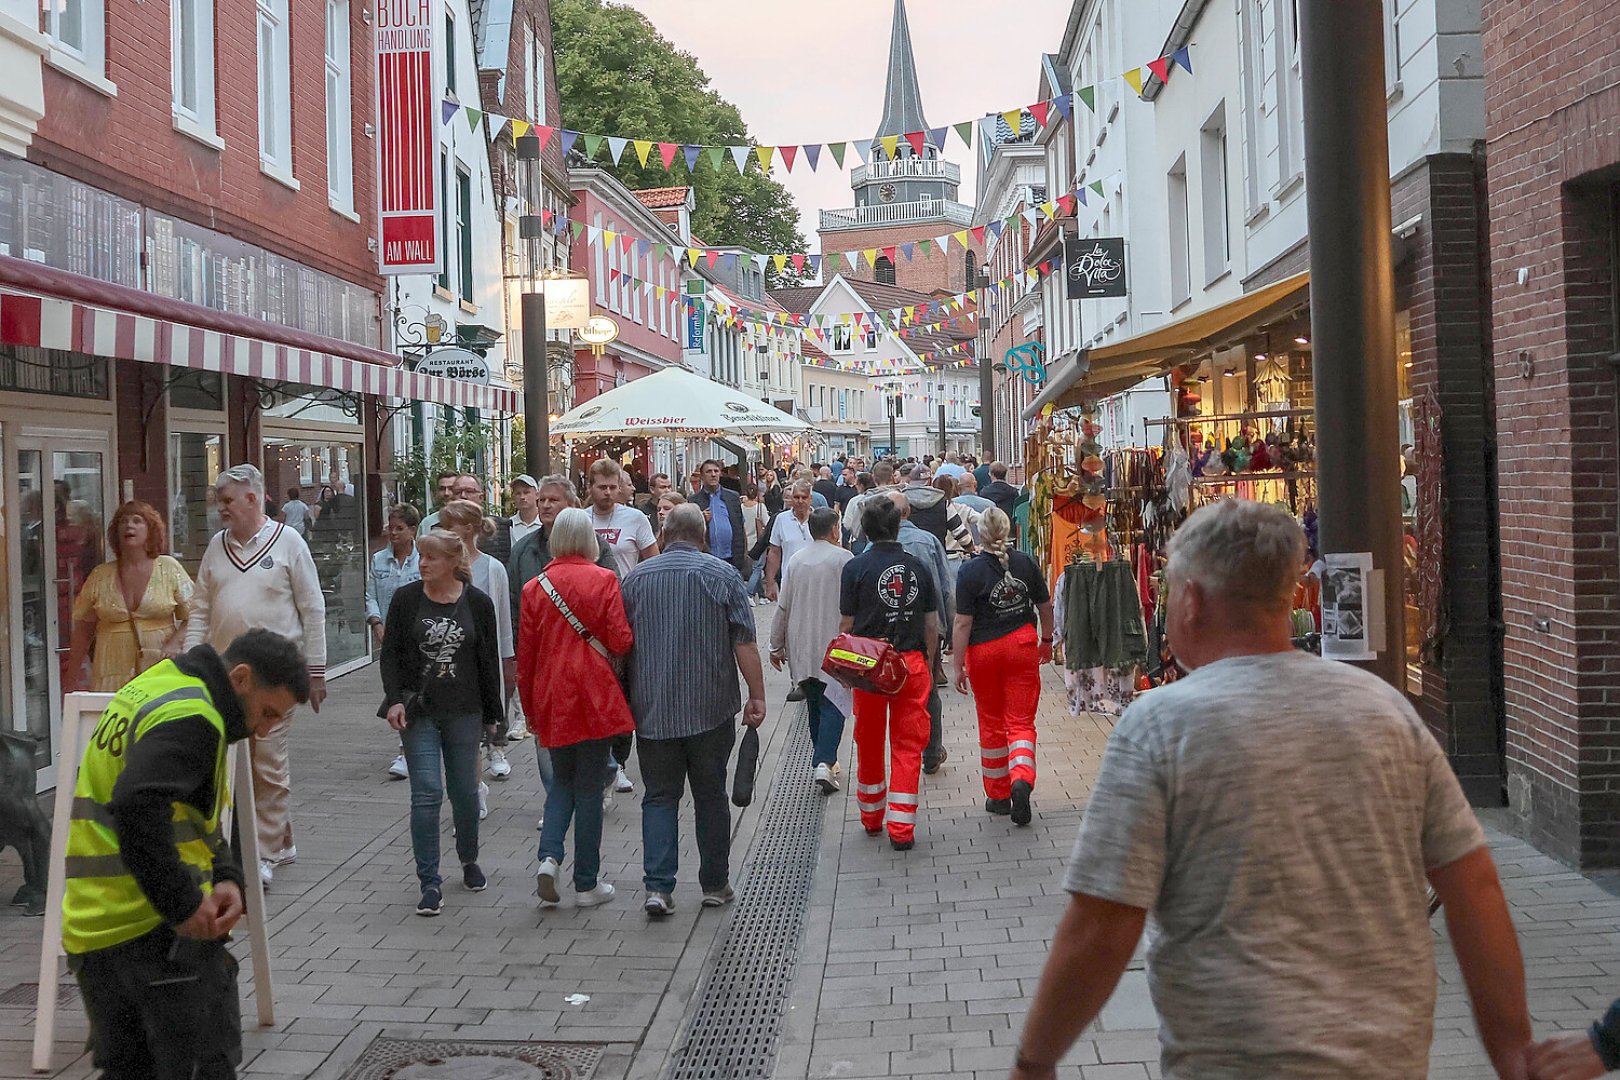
(52, 309)
(1121, 365)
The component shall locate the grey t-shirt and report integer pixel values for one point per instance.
(1277, 814)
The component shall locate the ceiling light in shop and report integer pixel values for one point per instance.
(1259, 358)
(1302, 340)
(1230, 372)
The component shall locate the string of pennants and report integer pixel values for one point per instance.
(668, 152)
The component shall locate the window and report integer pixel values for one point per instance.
(535, 69)
(275, 91)
(1392, 46)
(1290, 103)
(970, 270)
(78, 33)
(1180, 251)
(1253, 106)
(843, 404)
(842, 339)
(464, 232)
(339, 129)
(449, 55)
(444, 221)
(1212, 186)
(192, 48)
(883, 271)
(871, 339)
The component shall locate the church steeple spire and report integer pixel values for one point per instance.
(902, 101)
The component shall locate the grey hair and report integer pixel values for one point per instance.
(1248, 553)
(919, 473)
(247, 475)
(802, 485)
(572, 534)
(685, 524)
(557, 480)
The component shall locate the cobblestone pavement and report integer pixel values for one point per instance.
(914, 964)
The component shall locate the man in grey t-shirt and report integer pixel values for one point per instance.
(1278, 815)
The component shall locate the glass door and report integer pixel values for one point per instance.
(61, 500)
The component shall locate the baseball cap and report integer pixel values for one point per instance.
(525, 478)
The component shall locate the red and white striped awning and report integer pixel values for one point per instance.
(54, 322)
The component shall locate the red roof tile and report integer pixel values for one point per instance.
(660, 198)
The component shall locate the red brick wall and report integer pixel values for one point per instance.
(1552, 121)
(127, 144)
(143, 443)
(925, 274)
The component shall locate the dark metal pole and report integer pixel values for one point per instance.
(987, 376)
(536, 392)
(1353, 301)
(943, 445)
(894, 447)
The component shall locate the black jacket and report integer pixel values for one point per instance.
(174, 762)
(401, 658)
(733, 509)
(1003, 494)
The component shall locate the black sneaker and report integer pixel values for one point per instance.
(1020, 802)
(931, 765)
(902, 845)
(474, 878)
(998, 806)
(431, 903)
(795, 694)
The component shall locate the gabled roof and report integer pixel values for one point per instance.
(664, 197)
(902, 98)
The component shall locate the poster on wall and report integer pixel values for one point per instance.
(1348, 591)
(1093, 269)
(408, 185)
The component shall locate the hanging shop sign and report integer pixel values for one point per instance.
(599, 330)
(407, 104)
(568, 303)
(463, 365)
(1094, 269)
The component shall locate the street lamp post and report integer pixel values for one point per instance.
(894, 407)
(536, 384)
(987, 376)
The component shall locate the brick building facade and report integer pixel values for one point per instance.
(1553, 150)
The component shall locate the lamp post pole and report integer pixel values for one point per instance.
(536, 384)
(987, 376)
(894, 447)
(1353, 304)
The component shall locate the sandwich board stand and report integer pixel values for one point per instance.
(80, 714)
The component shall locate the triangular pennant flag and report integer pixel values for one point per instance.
(667, 152)
(1015, 120)
(915, 138)
(909, 250)
(569, 138)
(798, 262)
(837, 151)
(944, 243)
(520, 128)
(577, 228)
(1039, 110)
(1133, 79)
(790, 154)
(643, 150)
(864, 151)
(593, 146)
(779, 261)
(496, 124)
(854, 258)
(890, 143)
(1097, 186)
(978, 235)
(739, 154)
(626, 242)
(995, 228)
(717, 156)
(1088, 94)
(660, 252)
(1183, 56)
(891, 253)
(447, 109)
(473, 118)
(616, 147)
(1065, 105)
(1161, 68)
(711, 256)
(964, 131)
(812, 154)
(1080, 193)
(925, 248)
(936, 137)
(765, 154)
(691, 151)
(693, 255)
(961, 237)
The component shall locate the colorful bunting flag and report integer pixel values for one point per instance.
(964, 131)
(837, 151)
(1160, 68)
(616, 147)
(1015, 121)
(643, 150)
(593, 146)
(1039, 110)
(473, 117)
(812, 154)
(667, 152)
(890, 144)
(1183, 56)
(1133, 79)
(739, 154)
(568, 140)
(1088, 94)
(789, 155)
(765, 153)
(691, 151)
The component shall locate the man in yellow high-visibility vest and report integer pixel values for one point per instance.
(152, 887)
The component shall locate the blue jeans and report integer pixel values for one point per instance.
(442, 753)
(542, 761)
(576, 794)
(667, 767)
(826, 722)
(756, 580)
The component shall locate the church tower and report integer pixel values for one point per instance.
(906, 198)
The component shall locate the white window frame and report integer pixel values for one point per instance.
(275, 90)
(1180, 230)
(1392, 47)
(843, 337)
(87, 61)
(1253, 105)
(871, 339)
(1290, 99)
(339, 108)
(196, 120)
(1215, 194)
(537, 76)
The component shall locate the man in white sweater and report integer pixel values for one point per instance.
(258, 574)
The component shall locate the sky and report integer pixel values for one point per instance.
(813, 71)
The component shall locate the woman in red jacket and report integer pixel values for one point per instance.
(572, 617)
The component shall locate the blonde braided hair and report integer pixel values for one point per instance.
(994, 530)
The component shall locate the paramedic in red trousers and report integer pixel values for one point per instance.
(999, 594)
(888, 593)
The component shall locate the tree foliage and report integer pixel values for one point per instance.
(618, 76)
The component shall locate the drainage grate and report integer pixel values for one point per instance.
(27, 994)
(737, 1020)
(459, 1059)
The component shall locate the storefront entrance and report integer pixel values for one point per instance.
(53, 510)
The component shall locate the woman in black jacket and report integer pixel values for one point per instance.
(441, 675)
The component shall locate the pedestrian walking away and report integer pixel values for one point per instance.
(572, 621)
(441, 676)
(258, 574)
(152, 891)
(694, 632)
(1000, 595)
(806, 621)
(886, 592)
(1282, 842)
(930, 552)
(391, 567)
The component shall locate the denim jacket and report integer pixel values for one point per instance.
(386, 576)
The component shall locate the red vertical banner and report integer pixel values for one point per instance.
(407, 138)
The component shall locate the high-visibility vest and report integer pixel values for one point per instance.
(102, 905)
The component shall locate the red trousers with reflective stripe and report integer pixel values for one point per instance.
(1006, 678)
(903, 718)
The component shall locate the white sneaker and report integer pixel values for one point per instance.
(499, 767)
(607, 800)
(285, 855)
(266, 872)
(825, 780)
(483, 800)
(621, 782)
(545, 882)
(595, 897)
(517, 733)
(399, 770)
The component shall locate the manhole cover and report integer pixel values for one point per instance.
(444, 1059)
(28, 994)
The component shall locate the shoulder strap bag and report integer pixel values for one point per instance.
(614, 662)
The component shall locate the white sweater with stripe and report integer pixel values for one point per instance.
(268, 583)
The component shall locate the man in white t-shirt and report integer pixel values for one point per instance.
(295, 511)
(789, 535)
(626, 530)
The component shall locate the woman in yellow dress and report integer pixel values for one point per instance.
(140, 580)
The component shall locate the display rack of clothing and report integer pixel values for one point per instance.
(1098, 616)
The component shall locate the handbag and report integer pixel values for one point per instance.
(862, 663)
(146, 658)
(616, 663)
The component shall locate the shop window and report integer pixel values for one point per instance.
(299, 401)
(195, 459)
(28, 370)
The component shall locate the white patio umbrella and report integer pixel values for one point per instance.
(674, 402)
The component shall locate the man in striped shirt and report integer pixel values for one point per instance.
(694, 631)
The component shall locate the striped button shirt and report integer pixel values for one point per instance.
(688, 611)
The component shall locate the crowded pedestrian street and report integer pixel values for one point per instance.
(918, 963)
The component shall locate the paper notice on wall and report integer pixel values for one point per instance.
(1347, 606)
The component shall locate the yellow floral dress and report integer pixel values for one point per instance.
(166, 604)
